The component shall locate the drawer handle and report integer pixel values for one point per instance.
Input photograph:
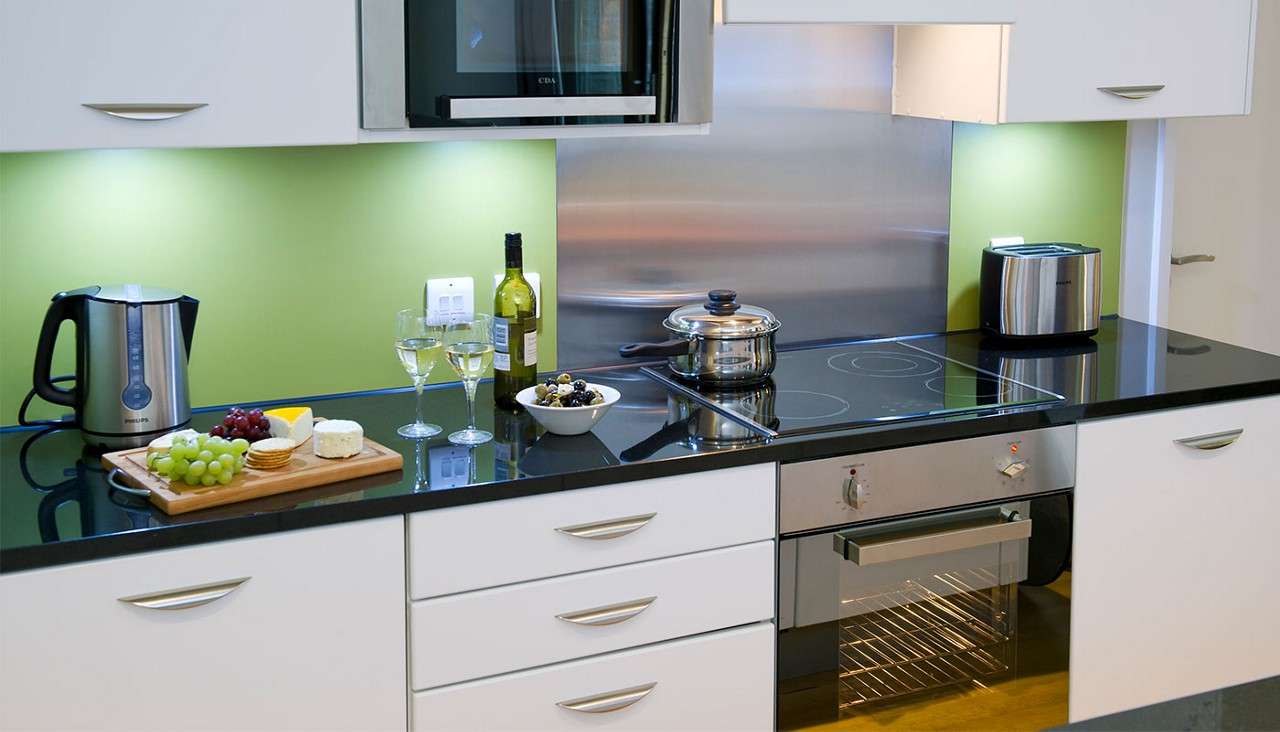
(609, 614)
(608, 529)
(186, 597)
(1215, 441)
(1132, 92)
(146, 112)
(612, 701)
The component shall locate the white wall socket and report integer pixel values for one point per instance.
(535, 281)
(450, 298)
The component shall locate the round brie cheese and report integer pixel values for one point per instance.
(337, 438)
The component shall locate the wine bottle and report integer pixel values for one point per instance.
(515, 329)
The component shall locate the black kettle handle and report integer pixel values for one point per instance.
(673, 347)
(65, 306)
(187, 307)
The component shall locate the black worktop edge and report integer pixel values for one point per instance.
(782, 450)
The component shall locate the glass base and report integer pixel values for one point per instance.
(419, 430)
(470, 437)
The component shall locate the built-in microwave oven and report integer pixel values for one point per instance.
(489, 63)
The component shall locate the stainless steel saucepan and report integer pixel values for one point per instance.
(719, 343)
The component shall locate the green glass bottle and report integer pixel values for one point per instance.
(515, 329)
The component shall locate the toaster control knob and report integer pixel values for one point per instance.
(1014, 469)
(854, 493)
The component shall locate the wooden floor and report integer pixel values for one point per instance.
(1034, 699)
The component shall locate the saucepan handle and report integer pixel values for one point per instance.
(674, 347)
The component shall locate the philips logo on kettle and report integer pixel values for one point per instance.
(136, 420)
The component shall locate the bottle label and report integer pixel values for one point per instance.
(501, 361)
(531, 344)
(501, 344)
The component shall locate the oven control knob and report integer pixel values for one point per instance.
(1014, 469)
(854, 493)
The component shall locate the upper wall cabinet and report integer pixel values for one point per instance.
(1040, 61)
(177, 73)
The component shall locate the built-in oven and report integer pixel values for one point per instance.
(899, 583)
(468, 63)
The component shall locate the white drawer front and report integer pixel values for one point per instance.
(490, 632)
(722, 681)
(312, 640)
(467, 548)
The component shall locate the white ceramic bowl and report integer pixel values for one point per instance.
(569, 420)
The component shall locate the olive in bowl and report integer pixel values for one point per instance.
(573, 411)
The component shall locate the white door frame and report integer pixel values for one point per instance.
(1147, 236)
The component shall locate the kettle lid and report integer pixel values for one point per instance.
(133, 294)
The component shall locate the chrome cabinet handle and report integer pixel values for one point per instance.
(867, 550)
(1215, 441)
(609, 614)
(1132, 92)
(145, 112)
(186, 597)
(1193, 258)
(608, 529)
(608, 702)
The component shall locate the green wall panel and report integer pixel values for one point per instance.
(300, 256)
(1046, 182)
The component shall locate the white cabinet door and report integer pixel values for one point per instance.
(1062, 53)
(720, 681)
(878, 12)
(1176, 555)
(270, 72)
(313, 639)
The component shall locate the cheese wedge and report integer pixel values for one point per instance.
(291, 422)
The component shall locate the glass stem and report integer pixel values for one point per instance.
(417, 387)
(470, 386)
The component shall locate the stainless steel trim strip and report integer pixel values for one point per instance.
(1132, 92)
(700, 399)
(695, 75)
(382, 59)
(186, 597)
(612, 529)
(1192, 259)
(145, 112)
(929, 543)
(1215, 441)
(515, 107)
(608, 614)
(612, 701)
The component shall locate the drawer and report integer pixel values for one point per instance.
(294, 631)
(490, 632)
(721, 681)
(467, 548)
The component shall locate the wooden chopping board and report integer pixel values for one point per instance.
(305, 470)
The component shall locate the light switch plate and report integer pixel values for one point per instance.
(450, 298)
(535, 281)
(451, 467)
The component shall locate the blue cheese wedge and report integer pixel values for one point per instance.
(337, 438)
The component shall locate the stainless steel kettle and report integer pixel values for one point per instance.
(132, 347)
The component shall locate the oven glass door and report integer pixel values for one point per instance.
(882, 624)
(528, 62)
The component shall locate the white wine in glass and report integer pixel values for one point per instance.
(469, 350)
(418, 346)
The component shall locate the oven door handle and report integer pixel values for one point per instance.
(864, 548)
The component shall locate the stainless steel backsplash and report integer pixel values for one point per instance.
(802, 200)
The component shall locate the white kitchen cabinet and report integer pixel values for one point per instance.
(1057, 61)
(305, 630)
(267, 72)
(489, 544)
(720, 681)
(877, 12)
(1176, 555)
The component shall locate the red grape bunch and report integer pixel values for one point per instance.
(250, 425)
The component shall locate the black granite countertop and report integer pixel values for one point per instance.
(55, 508)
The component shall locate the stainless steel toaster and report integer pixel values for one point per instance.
(1040, 290)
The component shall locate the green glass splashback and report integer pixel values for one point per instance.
(300, 256)
(1045, 182)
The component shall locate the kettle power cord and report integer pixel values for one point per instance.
(64, 423)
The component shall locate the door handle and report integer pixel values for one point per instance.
(1132, 92)
(1215, 441)
(866, 549)
(609, 614)
(1193, 258)
(611, 529)
(186, 597)
(612, 701)
(145, 112)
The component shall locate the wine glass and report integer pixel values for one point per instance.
(469, 350)
(418, 344)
